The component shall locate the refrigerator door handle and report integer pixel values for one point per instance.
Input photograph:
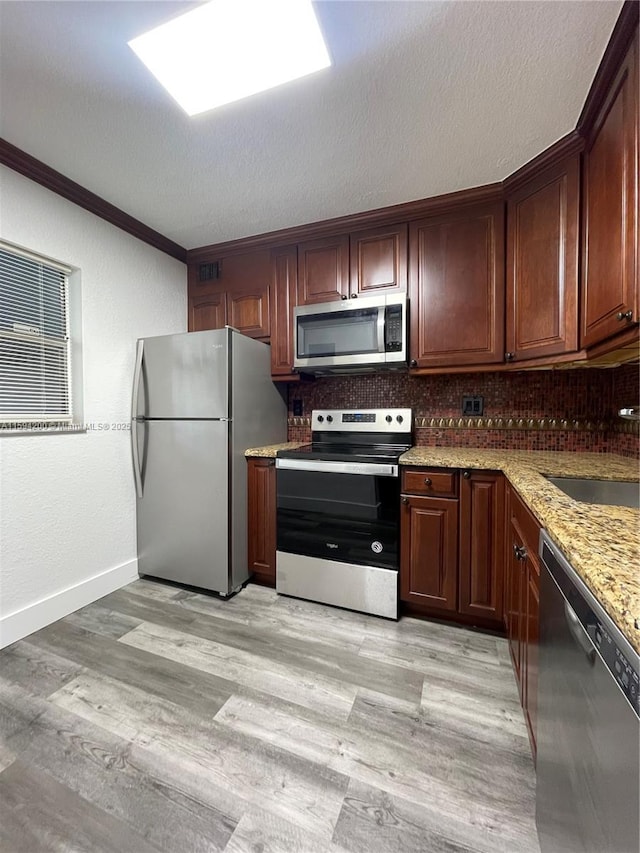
(135, 454)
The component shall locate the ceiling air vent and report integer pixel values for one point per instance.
(209, 272)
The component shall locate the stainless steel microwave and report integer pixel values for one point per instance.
(353, 335)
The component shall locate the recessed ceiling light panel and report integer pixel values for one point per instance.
(226, 50)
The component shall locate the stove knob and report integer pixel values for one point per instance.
(399, 419)
(388, 419)
(320, 419)
(329, 419)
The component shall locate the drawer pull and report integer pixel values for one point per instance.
(428, 481)
(467, 475)
(405, 500)
(519, 552)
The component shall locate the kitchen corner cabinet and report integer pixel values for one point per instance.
(261, 519)
(429, 552)
(522, 605)
(481, 568)
(610, 209)
(456, 286)
(542, 263)
(239, 297)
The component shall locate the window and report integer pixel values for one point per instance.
(35, 354)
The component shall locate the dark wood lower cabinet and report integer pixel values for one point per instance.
(481, 569)
(261, 519)
(522, 605)
(429, 552)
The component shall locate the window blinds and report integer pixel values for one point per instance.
(34, 339)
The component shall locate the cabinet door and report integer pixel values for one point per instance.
(542, 263)
(284, 288)
(532, 628)
(610, 190)
(429, 554)
(323, 270)
(248, 311)
(379, 260)
(207, 312)
(481, 574)
(261, 517)
(515, 596)
(456, 268)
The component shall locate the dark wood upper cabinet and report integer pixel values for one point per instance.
(610, 209)
(456, 285)
(481, 567)
(261, 519)
(379, 260)
(248, 311)
(208, 311)
(542, 263)
(323, 269)
(429, 552)
(284, 287)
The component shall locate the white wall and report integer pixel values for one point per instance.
(67, 502)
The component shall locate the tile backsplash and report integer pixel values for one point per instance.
(534, 410)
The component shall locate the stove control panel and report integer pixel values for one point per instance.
(361, 420)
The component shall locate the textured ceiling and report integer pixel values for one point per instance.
(423, 98)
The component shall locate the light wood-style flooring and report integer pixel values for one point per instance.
(159, 719)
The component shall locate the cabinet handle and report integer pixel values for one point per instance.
(271, 463)
(413, 363)
(428, 481)
(509, 356)
(354, 295)
(344, 296)
(624, 315)
(467, 475)
(405, 500)
(519, 552)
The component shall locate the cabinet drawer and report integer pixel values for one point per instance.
(430, 481)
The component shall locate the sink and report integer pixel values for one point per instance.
(611, 492)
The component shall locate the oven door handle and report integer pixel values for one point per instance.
(376, 469)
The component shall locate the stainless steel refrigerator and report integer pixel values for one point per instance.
(200, 399)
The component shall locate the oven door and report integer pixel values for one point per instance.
(344, 512)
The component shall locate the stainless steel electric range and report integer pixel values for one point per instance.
(338, 510)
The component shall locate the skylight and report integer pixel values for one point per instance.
(226, 50)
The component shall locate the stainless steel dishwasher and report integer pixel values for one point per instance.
(588, 764)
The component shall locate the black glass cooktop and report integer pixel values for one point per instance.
(332, 452)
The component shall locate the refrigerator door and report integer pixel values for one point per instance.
(182, 513)
(184, 376)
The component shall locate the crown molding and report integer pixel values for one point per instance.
(404, 212)
(568, 146)
(49, 178)
(621, 37)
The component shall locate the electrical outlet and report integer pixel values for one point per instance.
(297, 408)
(473, 406)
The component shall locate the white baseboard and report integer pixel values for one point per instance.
(16, 626)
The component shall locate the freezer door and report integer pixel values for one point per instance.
(184, 376)
(182, 514)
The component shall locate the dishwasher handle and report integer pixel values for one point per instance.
(579, 634)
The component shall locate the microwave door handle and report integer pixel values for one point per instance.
(381, 318)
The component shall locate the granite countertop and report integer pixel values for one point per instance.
(602, 543)
(269, 450)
